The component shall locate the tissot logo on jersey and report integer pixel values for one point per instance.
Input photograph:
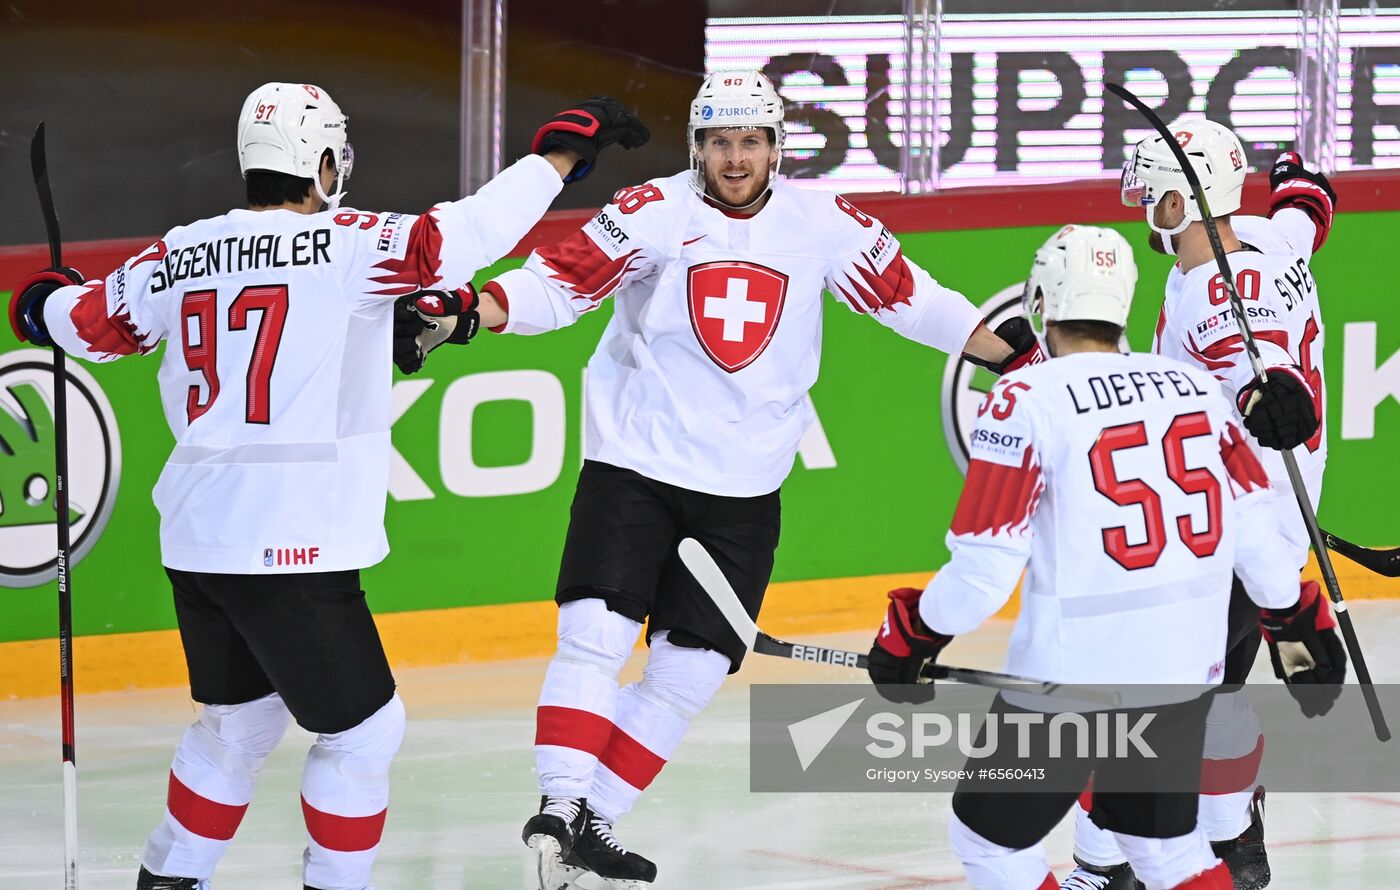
(995, 439)
(389, 234)
(604, 229)
(1224, 316)
(233, 255)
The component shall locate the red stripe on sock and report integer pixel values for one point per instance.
(1086, 797)
(1234, 774)
(1217, 878)
(343, 834)
(1049, 883)
(630, 760)
(572, 728)
(200, 815)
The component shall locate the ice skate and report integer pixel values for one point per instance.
(599, 862)
(1245, 856)
(1096, 877)
(147, 881)
(551, 834)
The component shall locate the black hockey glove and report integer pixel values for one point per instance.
(903, 649)
(1293, 185)
(1280, 414)
(426, 319)
(27, 303)
(1306, 650)
(1025, 348)
(588, 128)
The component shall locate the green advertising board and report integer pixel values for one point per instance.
(488, 442)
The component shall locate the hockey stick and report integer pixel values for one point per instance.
(1382, 562)
(707, 572)
(1300, 492)
(39, 162)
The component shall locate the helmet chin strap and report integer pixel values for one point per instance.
(1167, 234)
(332, 200)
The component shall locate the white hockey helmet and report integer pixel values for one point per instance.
(1083, 273)
(737, 100)
(287, 127)
(1217, 157)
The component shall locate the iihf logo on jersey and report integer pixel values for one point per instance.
(28, 506)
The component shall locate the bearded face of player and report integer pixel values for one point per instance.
(737, 164)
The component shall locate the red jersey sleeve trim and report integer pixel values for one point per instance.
(1241, 463)
(421, 262)
(998, 499)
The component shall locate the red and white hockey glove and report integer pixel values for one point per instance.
(588, 128)
(1306, 650)
(426, 319)
(903, 649)
(1281, 413)
(1025, 348)
(27, 303)
(1293, 185)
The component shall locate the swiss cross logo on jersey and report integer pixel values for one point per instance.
(734, 309)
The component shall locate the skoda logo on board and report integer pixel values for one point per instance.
(28, 519)
(965, 385)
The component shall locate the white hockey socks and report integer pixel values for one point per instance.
(211, 784)
(652, 718)
(990, 866)
(345, 798)
(574, 720)
(1234, 747)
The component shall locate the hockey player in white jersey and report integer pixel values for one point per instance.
(696, 401)
(1269, 258)
(1128, 519)
(275, 382)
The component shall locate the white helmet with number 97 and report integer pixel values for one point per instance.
(287, 128)
(1215, 154)
(738, 100)
(1083, 273)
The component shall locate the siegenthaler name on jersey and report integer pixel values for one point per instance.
(232, 255)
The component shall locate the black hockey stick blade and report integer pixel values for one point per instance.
(1382, 562)
(38, 162)
(1315, 536)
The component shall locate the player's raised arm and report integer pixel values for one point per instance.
(872, 277)
(560, 283)
(100, 320)
(1301, 203)
(444, 248)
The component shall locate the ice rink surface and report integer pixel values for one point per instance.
(464, 785)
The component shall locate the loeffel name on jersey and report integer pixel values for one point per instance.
(607, 232)
(231, 255)
(1220, 320)
(1115, 390)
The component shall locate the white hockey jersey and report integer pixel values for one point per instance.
(1197, 326)
(276, 373)
(1125, 484)
(701, 378)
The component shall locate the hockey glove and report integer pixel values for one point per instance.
(903, 649)
(1293, 185)
(1025, 348)
(1306, 650)
(588, 128)
(1279, 414)
(426, 319)
(27, 303)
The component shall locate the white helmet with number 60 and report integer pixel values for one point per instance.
(1215, 154)
(1083, 273)
(287, 127)
(738, 100)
